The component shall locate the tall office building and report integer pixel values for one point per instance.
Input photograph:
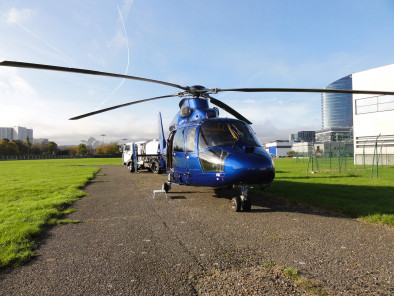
(337, 109)
(337, 113)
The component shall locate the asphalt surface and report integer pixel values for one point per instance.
(192, 244)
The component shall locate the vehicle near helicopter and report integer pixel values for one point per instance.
(203, 149)
(143, 155)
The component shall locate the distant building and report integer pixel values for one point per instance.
(279, 148)
(302, 148)
(7, 133)
(337, 108)
(302, 136)
(335, 134)
(306, 136)
(40, 141)
(16, 133)
(293, 138)
(323, 149)
(90, 141)
(23, 133)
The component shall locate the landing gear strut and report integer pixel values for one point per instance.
(241, 202)
(167, 185)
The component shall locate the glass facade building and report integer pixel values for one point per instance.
(337, 109)
(334, 134)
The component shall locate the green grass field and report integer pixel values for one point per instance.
(351, 192)
(35, 194)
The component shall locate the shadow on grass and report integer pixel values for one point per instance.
(355, 201)
(373, 203)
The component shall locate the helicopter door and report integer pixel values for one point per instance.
(178, 154)
(192, 162)
(169, 151)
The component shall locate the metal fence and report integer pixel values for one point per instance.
(339, 156)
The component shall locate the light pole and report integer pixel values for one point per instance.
(103, 138)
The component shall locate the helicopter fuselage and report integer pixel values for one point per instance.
(217, 152)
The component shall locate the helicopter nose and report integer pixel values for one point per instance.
(250, 168)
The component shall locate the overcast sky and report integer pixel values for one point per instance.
(215, 43)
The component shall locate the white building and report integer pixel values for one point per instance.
(7, 133)
(302, 148)
(22, 133)
(373, 116)
(279, 148)
(16, 133)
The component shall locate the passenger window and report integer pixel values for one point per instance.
(191, 140)
(178, 141)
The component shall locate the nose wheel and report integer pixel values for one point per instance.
(236, 204)
(242, 202)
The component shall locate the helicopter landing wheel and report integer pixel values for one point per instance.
(246, 205)
(236, 204)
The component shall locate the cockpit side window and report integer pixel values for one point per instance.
(178, 140)
(191, 140)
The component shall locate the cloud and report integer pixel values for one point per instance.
(249, 101)
(14, 88)
(19, 16)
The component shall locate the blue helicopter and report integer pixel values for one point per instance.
(203, 149)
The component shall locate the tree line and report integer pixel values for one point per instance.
(18, 147)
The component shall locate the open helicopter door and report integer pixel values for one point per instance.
(162, 148)
(162, 141)
(170, 165)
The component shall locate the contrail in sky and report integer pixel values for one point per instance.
(128, 61)
(67, 58)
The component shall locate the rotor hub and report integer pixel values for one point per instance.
(197, 91)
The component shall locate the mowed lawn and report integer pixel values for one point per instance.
(35, 194)
(350, 191)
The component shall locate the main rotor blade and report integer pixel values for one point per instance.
(83, 71)
(310, 90)
(119, 106)
(228, 109)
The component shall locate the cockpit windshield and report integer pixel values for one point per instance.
(226, 133)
